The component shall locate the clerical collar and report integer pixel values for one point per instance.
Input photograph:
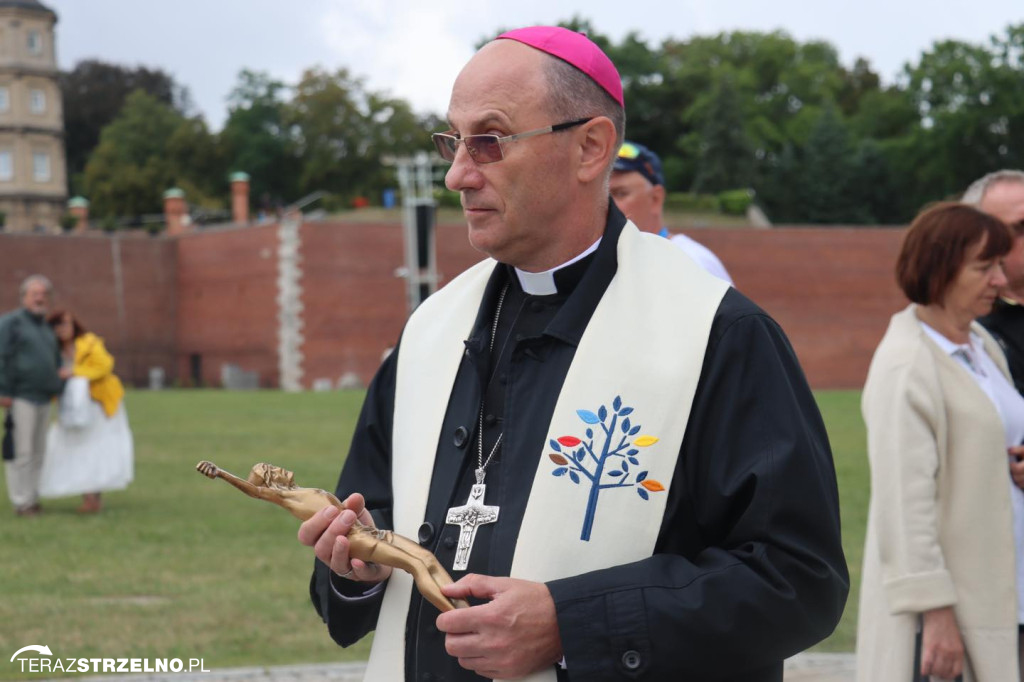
(543, 283)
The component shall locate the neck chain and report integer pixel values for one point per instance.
(481, 463)
(475, 513)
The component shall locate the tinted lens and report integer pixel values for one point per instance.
(484, 148)
(446, 145)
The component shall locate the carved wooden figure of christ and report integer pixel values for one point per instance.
(277, 485)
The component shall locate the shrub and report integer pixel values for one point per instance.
(690, 202)
(735, 201)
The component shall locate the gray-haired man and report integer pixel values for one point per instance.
(29, 379)
(1002, 194)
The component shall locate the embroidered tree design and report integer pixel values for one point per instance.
(613, 463)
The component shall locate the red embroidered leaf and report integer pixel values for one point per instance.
(569, 441)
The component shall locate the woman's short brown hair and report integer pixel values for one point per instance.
(936, 244)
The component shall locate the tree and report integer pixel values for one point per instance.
(257, 138)
(342, 132)
(147, 149)
(93, 94)
(725, 158)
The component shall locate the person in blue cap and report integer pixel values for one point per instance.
(638, 187)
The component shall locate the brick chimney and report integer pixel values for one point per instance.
(79, 208)
(176, 212)
(240, 198)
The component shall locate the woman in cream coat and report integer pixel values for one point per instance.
(945, 516)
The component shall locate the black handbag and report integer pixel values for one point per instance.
(8, 446)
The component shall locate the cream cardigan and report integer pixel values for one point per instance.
(940, 527)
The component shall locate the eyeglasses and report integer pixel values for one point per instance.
(490, 148)
(629, 151)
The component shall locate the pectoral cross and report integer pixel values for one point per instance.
(469, 517)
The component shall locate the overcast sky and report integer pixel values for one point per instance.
(414, 49)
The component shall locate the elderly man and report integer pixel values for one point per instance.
(615, 453)
(1002, 194)
(29, 379)
(638, 188)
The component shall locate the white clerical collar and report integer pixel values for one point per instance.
(543, 283)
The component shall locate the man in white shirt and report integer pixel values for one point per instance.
(638, 188)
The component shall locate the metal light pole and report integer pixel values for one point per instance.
(419, 213)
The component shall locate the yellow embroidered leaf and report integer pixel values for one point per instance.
(644, 441)
(652, 485)
(558, 459)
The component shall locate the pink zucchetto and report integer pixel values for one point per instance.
(576, 49)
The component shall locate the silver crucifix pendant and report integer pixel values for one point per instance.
(468, 518)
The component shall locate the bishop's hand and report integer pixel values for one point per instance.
(512, 635)
(326, 532)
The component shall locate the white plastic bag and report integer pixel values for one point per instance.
(75, 412)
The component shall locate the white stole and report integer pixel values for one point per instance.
(639, 359)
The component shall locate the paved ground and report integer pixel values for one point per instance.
(802, 668)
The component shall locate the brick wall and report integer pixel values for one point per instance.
(213, 294)
(227, 303)
(123, 289)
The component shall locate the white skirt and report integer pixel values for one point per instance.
(94, 458)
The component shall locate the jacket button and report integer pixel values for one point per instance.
(426, 533)
(631, 660)
(461, 436)
(449, 542)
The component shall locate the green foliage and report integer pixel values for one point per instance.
(690, 202)
(149, 148)
(67, 222)
(256, 139)
(735, 201)
(818, 141)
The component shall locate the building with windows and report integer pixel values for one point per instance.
(33, 183)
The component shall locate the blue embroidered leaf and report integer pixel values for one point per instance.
(635, 430)
(589, 417)
(632, 451)
(579, 454)
(575, 477)
(625, 411)
(625, 425)
(590, 433)
(643, 493)
(554, 445)
(559, 472)
(625, 468)
(641, 476)
(602, 413)
(634, 460)
(615, 473)
(617, 403)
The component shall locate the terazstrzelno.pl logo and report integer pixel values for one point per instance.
(35, 658)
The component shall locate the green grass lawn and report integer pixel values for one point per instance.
(179, 566)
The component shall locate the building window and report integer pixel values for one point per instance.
(35, 42)
(6, 165)
(5, 98)
(41, 167)
(37, 101)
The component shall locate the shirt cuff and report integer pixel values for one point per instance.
(353, 591)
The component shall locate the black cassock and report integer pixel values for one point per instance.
(748, 567)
